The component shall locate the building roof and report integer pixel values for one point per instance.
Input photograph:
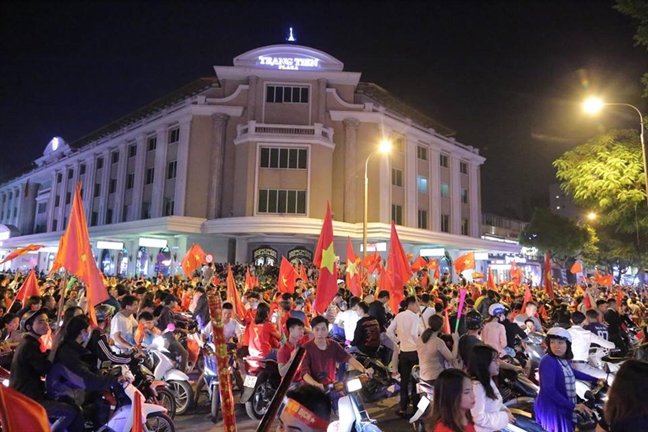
(383, 97)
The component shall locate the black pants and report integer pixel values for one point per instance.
(67, 417)
(406, 361)
(177, 349)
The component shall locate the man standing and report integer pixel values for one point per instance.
(406, 328)
(581, 341)
(122, 330)
(613, 319)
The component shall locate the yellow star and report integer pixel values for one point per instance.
(284, 280)
(351, 269)
(84, 257)
(328, 258)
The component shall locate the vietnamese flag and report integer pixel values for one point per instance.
(193, 259)
(325, 261)
(302, 273)
(233, 294)
(287, 277)
(516, 273)
(398, 269)
(26, 414)
(29, 288)
(465, 261)
(527, 297)
(434, 264)
(548, 282)
(603, 280)
(477, 275)
(249, 284)
(74, 254)
(425, 282)
(490, 283)
(21, 251)
(576, 268)
(352, 273)
(138, 421)
(419, 264)
(371, 262)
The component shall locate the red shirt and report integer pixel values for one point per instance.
(440, 427)
(262, 339)
(320, 364)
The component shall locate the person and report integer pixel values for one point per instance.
(323, 354)
(626, 409)
(530, 311)
(166, 322)
(264, 335)
(11, 334)
(556, 406)
(427, 308)
(406, 328)
(474, 324)
(494, 333)
(483, 306)
(514, 334)
(146, 331)
(453, 399)
(29, 365)
(614, 321)
(99, 345)
(432, 351)
(348, 319)
(366, 337)
(288, 350)
(489, 412)
(307, 409)
(122, 330)
(581, 341)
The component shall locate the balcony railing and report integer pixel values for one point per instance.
(252, 128)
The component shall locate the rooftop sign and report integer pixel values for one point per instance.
(289, 58)
(289, 63)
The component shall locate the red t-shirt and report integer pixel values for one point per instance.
(248, 320)
(262, 339)
(440, 427)
(320, 364)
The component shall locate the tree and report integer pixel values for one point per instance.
(638, 10)
(558, 234)
(614, 250)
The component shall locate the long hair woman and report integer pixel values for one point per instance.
(264, 335)
(453, 400)
(433, 352)
(626, 409)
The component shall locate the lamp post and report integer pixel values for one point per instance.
(384, 148)
(594, 105)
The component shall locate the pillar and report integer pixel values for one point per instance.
(217, 165)
(351, 169)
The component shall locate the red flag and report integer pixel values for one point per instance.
(137, 413)
(29, 288)
(527, 297)
(548, 282)
(434, 264)
(465, 261)
(325, 261)
(425, 281)
(477, 275)
(75, 255)
(26, 414)
(490, 283)
(233, 294)
(21, 251)
(287, 277)
(446, 322)
(302, 273)
(248, 280)
(576, 268)
(419, 263)
(398, 269)
(516, 273)
(352, 273)
(193, 259)
(371, 262)
(603, 280)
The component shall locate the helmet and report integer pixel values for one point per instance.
(474, 320)
(29, 317)
(104, 312)
(496, 309)
(560, 333)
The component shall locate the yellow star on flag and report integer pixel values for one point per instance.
(328, 258)
(351, 269)
(84, 258)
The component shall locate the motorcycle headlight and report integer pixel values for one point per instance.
(5, 383)
(354, 385)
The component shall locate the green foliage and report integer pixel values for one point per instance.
(558, 234)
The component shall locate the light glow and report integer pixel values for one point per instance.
(593, 105)
(152, 242)
(110, 245)
(434, 252)
(354, 385)
(591, 216)
(385, 146)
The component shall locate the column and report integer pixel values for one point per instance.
(217, 164)
(411, 186)
(62, 202)
(242, 250)
(474, 199)
(19, 200)
(104, 184)
(159, 176)
(351, 169)
(435, 189)
(140, 172)
(321, 100)
(88, 187)
(121, 183)
(132, 247)
(75, 176)
(455, 195)
(50, 203)
(252, 98)
(183, 168)
(27, 211)
(384, 181)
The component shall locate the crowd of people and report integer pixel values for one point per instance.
(460, 354)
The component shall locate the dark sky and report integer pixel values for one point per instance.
(508, 76)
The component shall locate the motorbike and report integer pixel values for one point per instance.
(535, 350)
(516, 388)
(425, 392)
(154, 391)
(260, 385)
(375, 388)
(210, 376)
(351, 411)
(595, 400)
(163, 369)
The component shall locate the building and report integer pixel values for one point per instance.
(243, 163)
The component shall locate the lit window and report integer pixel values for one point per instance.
(558, 208)
(422, 184)
(445, 190)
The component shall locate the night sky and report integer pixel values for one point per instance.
(507, 76)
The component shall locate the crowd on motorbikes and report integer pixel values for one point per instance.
(506, 362)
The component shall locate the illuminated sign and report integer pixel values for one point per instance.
(434, 252)
(4, 235)
(373, 247)
(481, 256)
(300, 254)
(289, 63)
(152, 242)
(110, 245)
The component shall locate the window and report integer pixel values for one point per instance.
(397, 214)
(443, 160)
(130, 181)
(125, 211)
(94, 219)
(445, 190)
(464, 226)
(68, 197)
(423, 219)
(445, 223)
(174, 135)
(70, 174)
(422, 153)
(464, 196)
(146, 210)
(398, 143)
(112, 186)
(150, 175)
(151, 143)
(99, 162)
(109, 216)
(59, 178)
(286, 94)
(282, 201)
(169, 206)
(397, 177)
(422, 184)
(42, 207)
(114, 157)
(463, 167)
(2, 214)
(54, 224)
(82, 169)
(286, 158)
(97, 190)
(57, 201)
(132, 150)
(15, 212)
(172, 168)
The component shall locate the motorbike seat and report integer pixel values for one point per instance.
(611, 359)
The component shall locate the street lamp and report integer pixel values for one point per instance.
(591, 216)
(594, 105)
(384, 148)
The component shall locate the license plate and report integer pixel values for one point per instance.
(423, 404)
(250, 381)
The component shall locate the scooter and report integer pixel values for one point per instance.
(377, 387)
(154, 391)
(260, 385)
(425, 392)
(210, 376)
(351, 411)
(163, 369)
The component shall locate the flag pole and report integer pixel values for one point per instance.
(61, 300)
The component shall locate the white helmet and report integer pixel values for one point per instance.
(496, 309)
(559, 332)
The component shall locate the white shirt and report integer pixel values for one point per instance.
(489, 414)
(348, 320)
(581, 341)
(406, 328)
(126, 327)
(426, 314)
